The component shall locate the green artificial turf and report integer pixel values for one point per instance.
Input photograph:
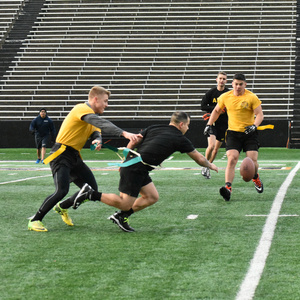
(169, 256)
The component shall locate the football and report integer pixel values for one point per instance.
(247, 169)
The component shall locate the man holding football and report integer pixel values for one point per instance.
(244, 116)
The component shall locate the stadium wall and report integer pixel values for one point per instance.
(15, 134)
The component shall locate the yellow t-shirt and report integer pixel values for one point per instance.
(75, 132)
(240, 109)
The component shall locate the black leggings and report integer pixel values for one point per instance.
(62, 178)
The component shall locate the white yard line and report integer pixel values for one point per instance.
(24, 179)
(257, 264)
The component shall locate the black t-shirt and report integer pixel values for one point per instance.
(210, 100)
(160, 141)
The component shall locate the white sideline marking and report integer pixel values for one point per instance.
(24, 179)
(251, 280)
(192, 217)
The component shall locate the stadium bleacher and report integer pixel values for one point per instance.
(9, 12)
(154, 56)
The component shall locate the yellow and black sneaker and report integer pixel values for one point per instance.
(122, 221)
(36, 226)
(64, 214)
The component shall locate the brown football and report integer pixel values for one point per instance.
(247, 169)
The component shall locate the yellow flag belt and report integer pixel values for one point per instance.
(270, 126)
(55, 154)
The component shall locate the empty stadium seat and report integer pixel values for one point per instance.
(154, 56)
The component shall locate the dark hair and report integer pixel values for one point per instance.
(179, 116)
(43, 109)
(239, 76)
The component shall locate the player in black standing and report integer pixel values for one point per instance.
(217, 137)
(157, 144)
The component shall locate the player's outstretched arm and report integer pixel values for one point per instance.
(202, 161)
(134, 144)
(134, 138)
(108, 127)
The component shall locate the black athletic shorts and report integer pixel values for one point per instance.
(133, 178)
(71, 159)
(242, 141)
(219, 131)
(41, 141)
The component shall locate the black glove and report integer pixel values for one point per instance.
(208, 130)
(250, 129)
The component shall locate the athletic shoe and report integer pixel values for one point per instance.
(225, 192)
(36, 226)
(42, 161)
(258, 184)
(83, 196)
(37, 161)
(121, 221)
(64, 214)
(208, 173)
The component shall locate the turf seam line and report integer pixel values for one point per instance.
(257, 264)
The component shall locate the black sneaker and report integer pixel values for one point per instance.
(258, 184)
(83, 196)
(225, 192)
(121, 221)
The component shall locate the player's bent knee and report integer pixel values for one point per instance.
(153, 199)
(61, 194)
(210, 148)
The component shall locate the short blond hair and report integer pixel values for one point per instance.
(98, 90)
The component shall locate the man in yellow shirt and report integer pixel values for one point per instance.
(244, 116)
(82, 123)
